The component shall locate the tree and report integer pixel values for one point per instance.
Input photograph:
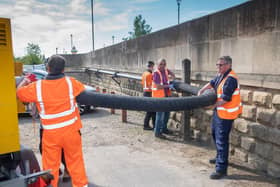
(33, 55)
(140, 28)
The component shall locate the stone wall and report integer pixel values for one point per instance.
(250, 34)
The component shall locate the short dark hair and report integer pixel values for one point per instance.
(150, 64)
(56, 64)
(227, 59)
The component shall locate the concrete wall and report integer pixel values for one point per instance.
(250, 34)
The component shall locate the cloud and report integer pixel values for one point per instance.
(114, 23)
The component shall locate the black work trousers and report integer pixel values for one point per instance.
(149, 115)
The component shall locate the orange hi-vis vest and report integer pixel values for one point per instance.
(147, 79)
(233, 108)
(160, 92)
(54, 118)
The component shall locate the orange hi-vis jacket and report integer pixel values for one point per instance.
(160, 92)
(147, 79)
(51, 116)
(233, 108)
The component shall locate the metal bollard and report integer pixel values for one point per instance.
(112, 109)
(124, 116)
(97, 89)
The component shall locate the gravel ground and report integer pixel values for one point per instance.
(101, 130)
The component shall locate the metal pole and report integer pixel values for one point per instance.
(178, 4)
(71, 38)
(113, 39)
(92, 25)
(186, 63)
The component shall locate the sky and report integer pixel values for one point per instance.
(50, 23)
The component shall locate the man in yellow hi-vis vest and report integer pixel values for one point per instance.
(226, 109)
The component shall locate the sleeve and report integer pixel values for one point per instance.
(27, 93)
(156, 78)
(213, 81)
(228, 89)
(78, 87)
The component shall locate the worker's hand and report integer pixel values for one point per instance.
(171, 86)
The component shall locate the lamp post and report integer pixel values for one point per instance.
(92, 25)
(71, 40)
(178, 4)
(113, 39)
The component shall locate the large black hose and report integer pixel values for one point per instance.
(146, 103)
(184, 87)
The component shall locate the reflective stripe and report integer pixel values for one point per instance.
(39, 96)
(59, 125)
(61, 114)
(230, 109)
(236, 92)
(82, 186)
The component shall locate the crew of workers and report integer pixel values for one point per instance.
(55, 99)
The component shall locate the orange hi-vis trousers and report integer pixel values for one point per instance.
(70, 141)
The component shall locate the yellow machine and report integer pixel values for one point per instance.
(18, 164)
(9, 133)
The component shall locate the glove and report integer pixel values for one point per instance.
(171, 86)
(31, 77)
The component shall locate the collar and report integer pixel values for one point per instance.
(54, 76)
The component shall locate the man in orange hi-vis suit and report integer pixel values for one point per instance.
(56, 103)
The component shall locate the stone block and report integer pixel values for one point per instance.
(257, 162)
(276, 154)
(235, 138)
(276, 101)
(248, 143)
(196, 134)
(241, 125)
(241, 154)
(249, 112)
(246, 96)
(262, 98)
(265, 116)
(193, 123)
(178, 116)
(273, 169)
(173, 115)
(264, 149)
(276, 120)
(258, 131)
(273, 136)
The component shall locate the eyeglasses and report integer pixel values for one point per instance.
(220, 65)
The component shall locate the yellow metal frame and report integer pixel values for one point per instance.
(9, 132)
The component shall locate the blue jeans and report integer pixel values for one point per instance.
(220, 132)
(161, 122)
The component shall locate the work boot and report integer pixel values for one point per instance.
(167, 132)
(148, 128)
(212, 161)
(66, 177)
(218, 175)
(161, 136)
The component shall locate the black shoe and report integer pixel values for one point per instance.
(66, 177)
(148, 128)
(212, 161)
(218, 175)
(161, 136)
(167, 132)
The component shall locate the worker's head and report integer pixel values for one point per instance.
(56, 64)
(150, 65)
(224, 64)
(161, 64)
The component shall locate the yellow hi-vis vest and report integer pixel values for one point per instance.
(233, 108)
